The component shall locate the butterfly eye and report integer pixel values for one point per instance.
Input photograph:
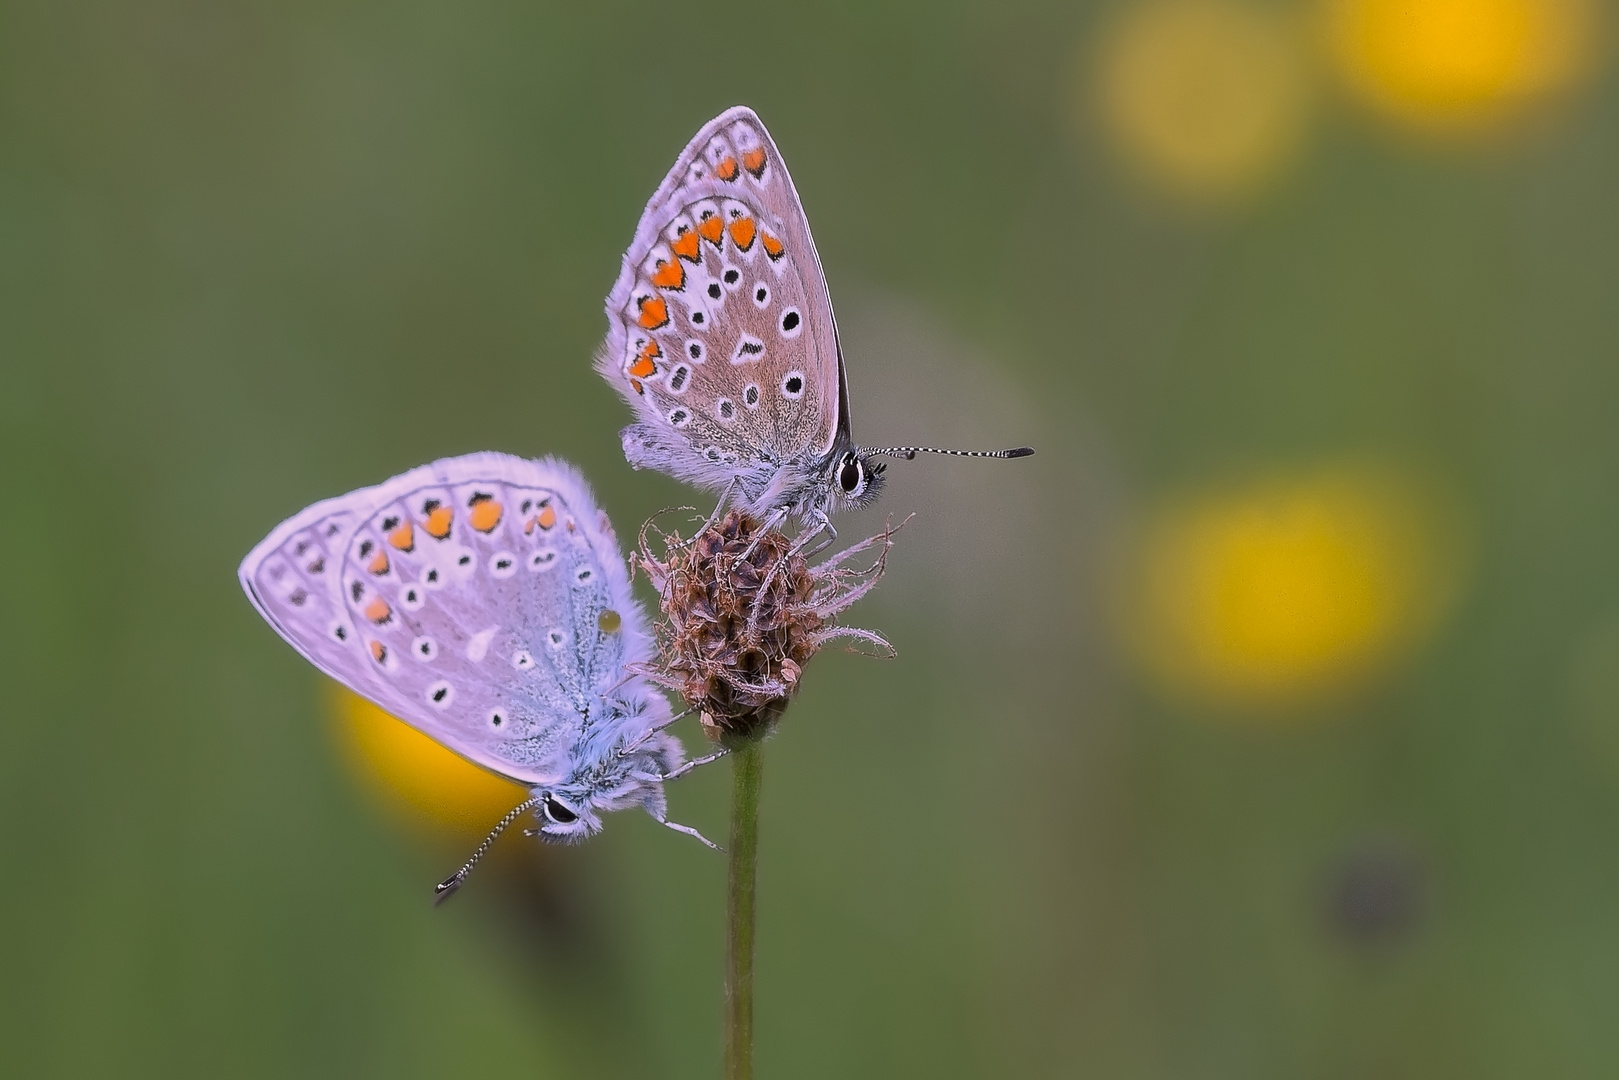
(559, 813)
(851, 477)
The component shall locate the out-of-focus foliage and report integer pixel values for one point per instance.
(1264, 724)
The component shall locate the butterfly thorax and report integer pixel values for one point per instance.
(806, 487)
(604, 777)
(810, 491)
(802, 488)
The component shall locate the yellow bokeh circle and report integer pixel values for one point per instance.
(414, 777)
(1285, 588)
(1460, 66)
(1207, 99)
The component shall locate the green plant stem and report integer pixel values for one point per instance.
(746, 763)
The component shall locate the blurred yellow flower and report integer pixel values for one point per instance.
(1459, 65)
(415, 777)
(1206, 98)
(1287, 588)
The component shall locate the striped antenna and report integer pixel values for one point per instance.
(909, 452)
(446, 888)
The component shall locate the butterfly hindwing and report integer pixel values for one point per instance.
(481, 599)
(721, 333)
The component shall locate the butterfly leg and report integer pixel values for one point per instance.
(719, 507)
(689, 831)
(626, 751)
(772, 522)
(823, 525)
(713, 519)
(692, 764)
(823, 529)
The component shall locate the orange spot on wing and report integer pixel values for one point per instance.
(438, 522)
(379, 563)
(403, 538)
(742, 231)
(378, 611)
(754, 161)
(712, 228)
(773, 247)
(379, 651)
(485, 515)
(726, 170)
(638, 389)
(669, 275)
(643, 367)
(654, 312)
(686, 245)
(544, 518)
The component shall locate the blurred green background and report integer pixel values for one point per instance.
(1265, 724)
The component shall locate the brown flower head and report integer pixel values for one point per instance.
(743, 612)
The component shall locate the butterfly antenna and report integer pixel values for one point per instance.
(446, 888)
(909, 452)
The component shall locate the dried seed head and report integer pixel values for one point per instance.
(742, 614)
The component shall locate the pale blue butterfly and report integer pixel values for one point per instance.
(721, 338)
(484, 600)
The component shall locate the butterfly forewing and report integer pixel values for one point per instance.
(481, 599)
(721, 331)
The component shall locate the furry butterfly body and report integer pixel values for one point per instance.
(483, 600)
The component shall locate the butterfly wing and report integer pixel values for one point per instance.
(721, 335)
(471, 598)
